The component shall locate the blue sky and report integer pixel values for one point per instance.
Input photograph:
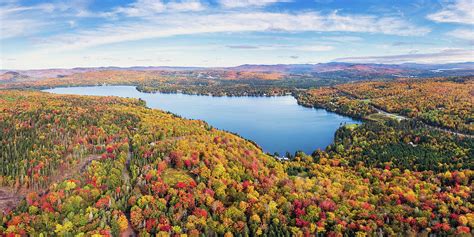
(87, 33)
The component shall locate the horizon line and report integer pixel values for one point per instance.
(230, 67)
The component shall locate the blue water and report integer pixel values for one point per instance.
(277, 124)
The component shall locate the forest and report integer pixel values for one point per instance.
(137, 170)
(440, 102)
(345, 118)
(203, 82)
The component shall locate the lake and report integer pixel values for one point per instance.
(277, 124)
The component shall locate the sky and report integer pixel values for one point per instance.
(37, 34)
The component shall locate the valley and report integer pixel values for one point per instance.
(236, 118)
(386, 175)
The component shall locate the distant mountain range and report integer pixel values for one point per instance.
(337, 66)
(322, 70)
(54, 72)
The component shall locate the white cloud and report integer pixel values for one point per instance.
(308, 48)
(444, 56)
(142, 8)
(20, 21)
(315, 48)
(464, 33)
(60, 29)
(461, 11)
(13, 22)
(248, 3)
(189, 5)
(342, 39)
(166, 25)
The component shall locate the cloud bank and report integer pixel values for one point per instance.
(177, 23)
(270, 31)
(444, 56)
(461, 11)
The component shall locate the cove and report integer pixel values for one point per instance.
(277, 124)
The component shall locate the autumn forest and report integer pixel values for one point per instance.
(110, 166)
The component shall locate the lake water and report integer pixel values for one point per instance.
(277, 124)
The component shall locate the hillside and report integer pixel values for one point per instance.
(440, 102)
(160, 174)
(331, 70)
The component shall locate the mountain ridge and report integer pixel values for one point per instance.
(325, 69)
